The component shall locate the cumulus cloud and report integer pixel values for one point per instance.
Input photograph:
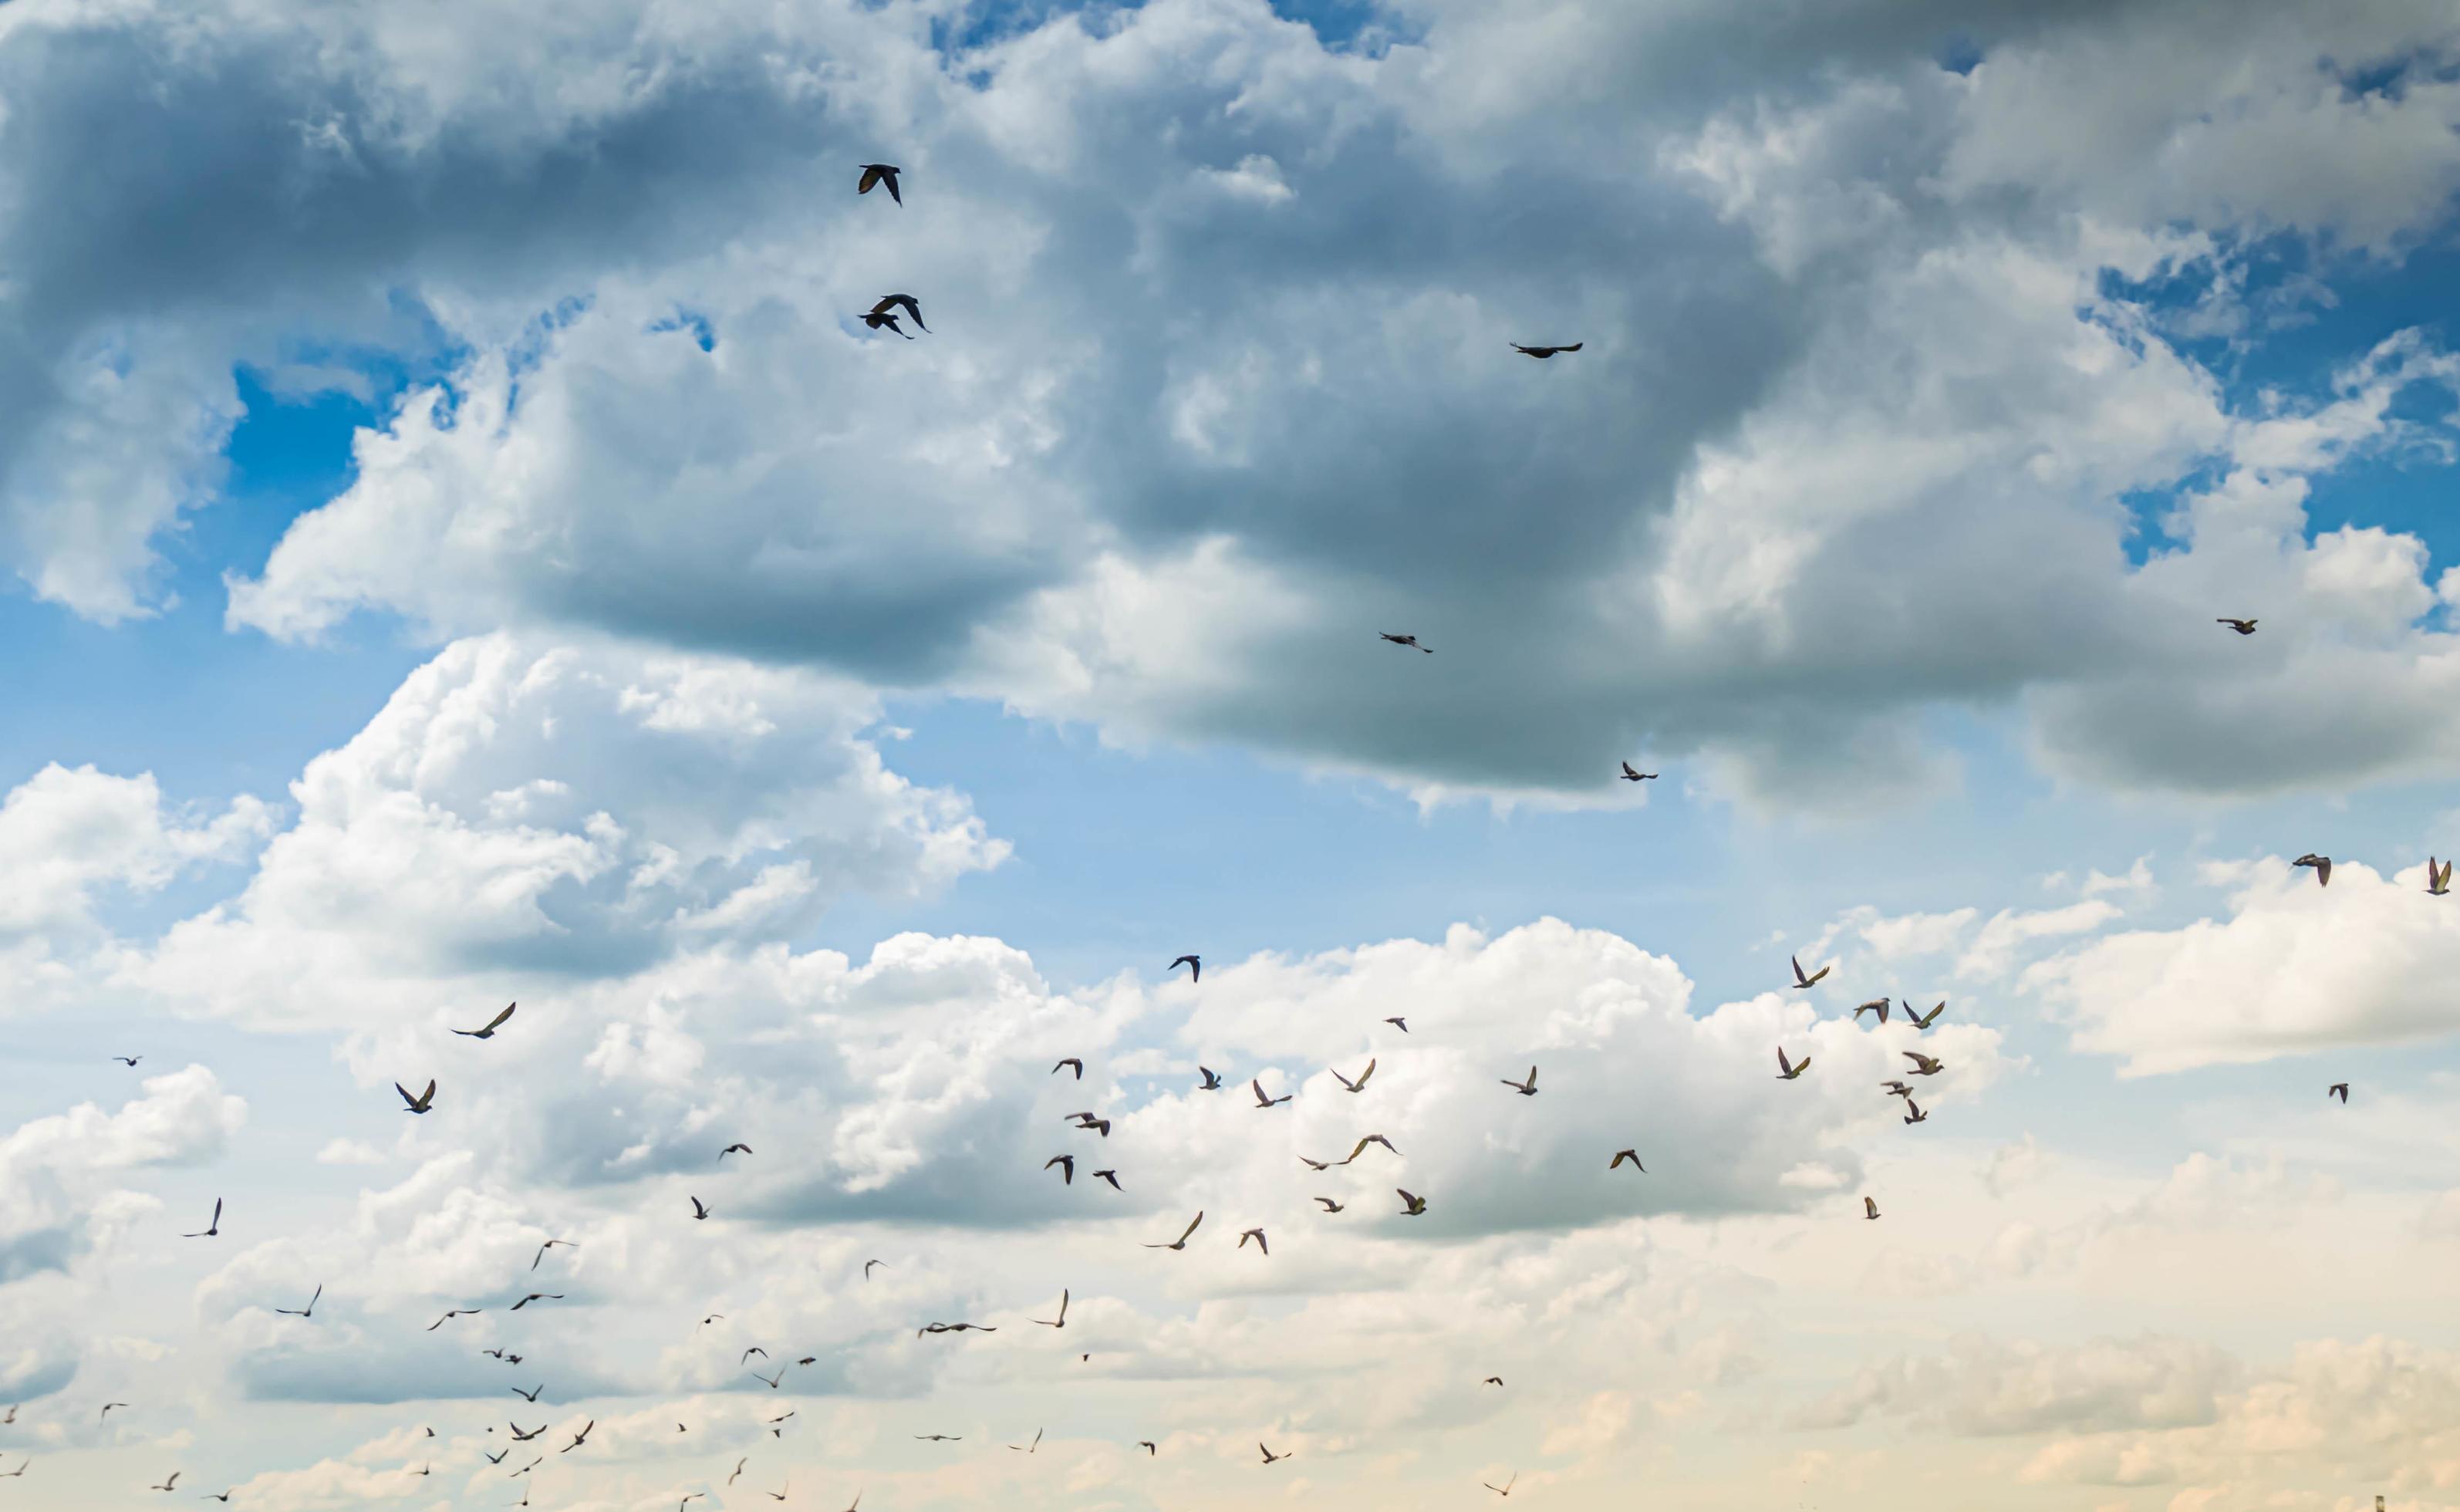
(59, 1196)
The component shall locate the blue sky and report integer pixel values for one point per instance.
(819, 734)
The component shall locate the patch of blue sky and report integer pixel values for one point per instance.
(1364, 25)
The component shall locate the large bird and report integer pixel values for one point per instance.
(489, 1031)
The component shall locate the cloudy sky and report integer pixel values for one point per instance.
(463, 547)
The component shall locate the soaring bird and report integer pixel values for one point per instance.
(1925, 1020)
(735, 1149)
(2323, 865)
(879, 173)
(1256, 1234)
(954, 1328)
(1211, 1080)
(1544, 352)
(1061, 1321)
(1263, 1102)
(1330, 1205)
(307, 1312)
(1527, 1089)
(700, 1209)
(1149, 1447)
(1031, 1447)
(1492, 1380)
(1916, 1115)
(866, 1267)
(521, 1438)
(423, 1101)
(1898, 1089)
(1416, 1205)
(770, 1381)
(1360, 1085)
(1869, 1208)
(875, 320)
(1401, 1024)
(457, 1313)
(1410, 641)
(1878, 1003)
(531, 1396)
(1071, 1060)
(1924, 1065)
(1100, 1126)
(128, 1060)
(941, 1439)
(167, 1484)
(888, 301)
(1801, 981)
(497, 1458)
(1505, 1489)
(1112, 1176)
(2340, 1090)
(1067, 1165)
(711, 1318)
(489, 1031)
(536, 1296)
(1630, 776)
(550, 1245)
(578, 1439)
(1359, 1148)
(1621, 1156)
(1181, 1243)
(1195, 969)
(1270, 1457)
(108, 1406)
(1314, 1164)
(2437, 883)
(2242, 627)
(211, 1229)
(1789, 1070)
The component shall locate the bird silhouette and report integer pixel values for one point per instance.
(531, 1396)
(1801, 981)
(1544, 352)
(1263, 1102)
(307, 1312)
(457, 1313)
(1067, 1165)
(1924, 1065)
(128, 1060)
(1631, 776)
(735, 1149)
(1789, 1070)
(488, 1030)
(888, 301)
(1211, 1080)
(700, 1209)
(550, 1245)
(1410, 641)
(1869, 1208)
(1149, 1447)
(1633, 1156)
(2438, 883)
(1256, 1234)
(536, 1296)
(1880, 1004)
(1031, 1447)
(1359, 1148)
(866, 1267)
(1271, 1458)
(1360, 1085)
(2242, 627)
(578, 1439)
(2323, 865)
(1195, 969)
(1330, 1205)
(1505, 1489)
(1071, 1060)
(1181, 1243)
(169, 1483)
(1061, 1321)
(879, 173)
(211, 1229)
(1925, 1020)
(1112, 1176)
(875, 320)
(1415, 1204)
(1527, 1089)
(2340, 1090)
(1915, 1115)
(1401, 1024)
(420, 1103)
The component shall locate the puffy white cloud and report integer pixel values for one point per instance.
(56, 1173)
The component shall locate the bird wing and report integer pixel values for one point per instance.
(1190, 1225)
(2323, 872)
(500, 1018)
(405, 1093)
(1798, 969)
(429, 1096)
(870, 176)
(1369, 1072)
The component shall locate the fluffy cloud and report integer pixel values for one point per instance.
(57, 1196)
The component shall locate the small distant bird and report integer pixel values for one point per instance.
(1071, 1060)
(1256, 1234)
(735, 1149)
(874, 173)
(497, 1457)
(550, 1245)
(1416, 1205)
(536, 1296)
(1801, 981)
(700, 1209)
(128, 1060)
(2437, 883)
(1100, 1126)
(1505, 1489)
(1493, 1380)
(1314, 1164)
(866, 1268)
(770, 1381)
(521, 1436)
(457, 1313)
(1359, 1148)
(1330, 1205)
(711, 1318)
(1181, 1243)
(1789, 1070)
(1059, 1322)
(1263, 1102)
(2340, 1090)
(168, 1484)
(1271, 1458)
(1925, 1020)
(876, 321)
(782, 1417)
(1630, 776)
(1195, 969)
(1112, 1176)
(2242, 627)
(1527, 1089)
(1031, 1447)
(1150, 1449)
(1359, 1084)
(1880, 1004)
(578, 1439)
(1898, 1089)
(1401, 1024)
(954, 1328)
(211, 1229)
(420, 1103)
(108, 1406)
(1067, 1165)
(1211, 1080)
(531, 1396)
(1621, 1156)
(2323, 865)
(1869, 1208)
(941, 1439)
(1924, 1065)
(1915, 1116)
(1544, 352)
(1410, 641)
(489, 1031)
(888, 301)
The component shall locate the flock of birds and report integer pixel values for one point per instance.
(884, 316)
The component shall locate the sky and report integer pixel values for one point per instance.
(463, 547)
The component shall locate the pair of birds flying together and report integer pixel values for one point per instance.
(884, 314)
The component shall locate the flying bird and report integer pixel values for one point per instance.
(1925, 1020)
(1789, 1070)
(941, 1439)
(307, 1312)
(520, 1437)
(1544, 352)
(1801, 981)
(1061, 1321)
(1916, 1115)
(735, 1149)
(108, 1406)
(1630, 776)
(489, 1031)
(1256, 1234)
(1410, 641)
(211, 1229)
(1067, 1165)
(1633, 1156)
(866, 1268)
(889, 301)
(1401, 1024)
(1211, 1080)
(1924, 1065)
(711, 1318)
(536, 1296)
(578, 1439)
(1147, 1445)
(1071, 1060)
(875, 320)
(531, 1396)
(1181, 1243)
(550, 1245)
(1194, 970)
(1330, 1205)
(1270, 1457)
(1360, 1085)
(1493, 1380)
(879, 173)
(168, 1484)
(1505, 1489)
(128, 1060)
(1898, 1089)
(1112, 1176)
(2437, 883)
(1878, 1003)
(1314, 1164)
(2323, 865)
(1359, 1148)
(2242, 627)
(700, 1209)
(420, 1103)
(1869, 1208)
(953, 1327)
(457, 1313)
(497, 1457)
(1031, 1447)
(1416, 1205)
(1527, 1089)
(2340, 1090)
(770, 1381)
(1263, 1102)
